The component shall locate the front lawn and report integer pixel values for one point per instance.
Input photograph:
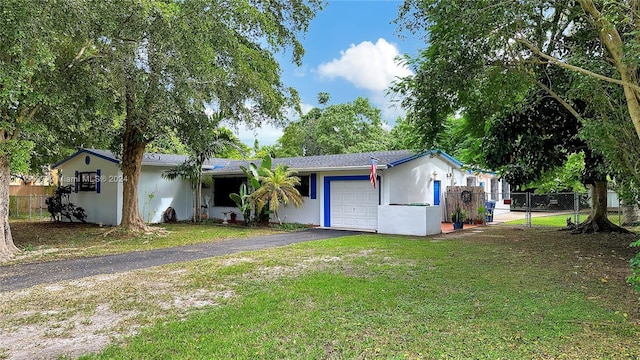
(502, 293)
(45, 240)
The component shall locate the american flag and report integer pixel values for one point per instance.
(373, 175)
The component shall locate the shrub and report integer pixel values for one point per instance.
(59, 205)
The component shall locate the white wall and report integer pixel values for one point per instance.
(409, 220)
(101, 208)
(412, 182)
(156, 194)
(106, 207)
(309, 213)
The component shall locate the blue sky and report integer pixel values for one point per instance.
(349, 52)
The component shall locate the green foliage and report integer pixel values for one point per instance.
(19, 153)
(277, 187)
(458, 215)
(485, 60)
(634, 279)
(336, 129)
(565, 178)
(290, 226)
(243, 202)
(203, 140)
(243, 199)
(59, 205)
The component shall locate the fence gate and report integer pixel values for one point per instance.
(574, 205)
(468, 198)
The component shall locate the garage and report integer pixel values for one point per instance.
(353, 205)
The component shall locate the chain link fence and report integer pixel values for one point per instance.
(28, 207)
(558, 209)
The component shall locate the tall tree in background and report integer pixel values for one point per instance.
(336, 129)
(161, 56)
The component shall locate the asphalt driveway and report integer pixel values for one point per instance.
(21, 276)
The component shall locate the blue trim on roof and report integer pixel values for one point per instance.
(430, 152)
(80, 151)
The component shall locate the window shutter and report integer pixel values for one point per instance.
(98, 178)
(314, 184)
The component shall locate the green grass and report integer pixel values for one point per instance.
(45, 240)
(510, 295)
(557, 220)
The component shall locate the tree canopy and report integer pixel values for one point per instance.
(42, 44)
(485, 55)
(507, 66)
(336, 129)
(160, 58)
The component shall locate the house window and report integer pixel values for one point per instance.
(471, 181)
(506, 193)
(222, 187)
(303, 188)
(494, 189)
(87, 181)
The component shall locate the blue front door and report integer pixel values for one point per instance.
(436, 192)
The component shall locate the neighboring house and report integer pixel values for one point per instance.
(336, 189)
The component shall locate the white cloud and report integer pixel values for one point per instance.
(372, 67)
(366, 65)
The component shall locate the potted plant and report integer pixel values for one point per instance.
(458, 218)
(481, 215)
(234, 217)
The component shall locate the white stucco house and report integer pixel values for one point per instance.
(98, 181)
(337, 191)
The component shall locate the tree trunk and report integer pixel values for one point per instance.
(198, 213)
(611, 39)
(7, 248)
(630, 213)
(597, 220)
(132, 153)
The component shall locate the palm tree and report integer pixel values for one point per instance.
(277, 187)
(203, 141)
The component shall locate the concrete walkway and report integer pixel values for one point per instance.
(21, 276)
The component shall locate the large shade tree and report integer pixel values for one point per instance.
(162, 56)
(42, 46)
(484, 54)
(485, 57)
(537, 138)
